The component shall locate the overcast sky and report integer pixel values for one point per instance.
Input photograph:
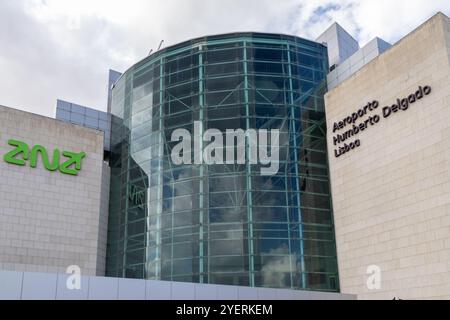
(64, 48)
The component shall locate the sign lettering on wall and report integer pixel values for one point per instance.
(22, 153)
(358, 121)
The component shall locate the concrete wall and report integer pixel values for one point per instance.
(49, 220)
(391, 195)
(47, 286)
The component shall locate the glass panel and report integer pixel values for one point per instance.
(224, 224)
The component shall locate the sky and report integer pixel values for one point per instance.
(63, 49)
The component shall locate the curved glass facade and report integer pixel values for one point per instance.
(223, 224)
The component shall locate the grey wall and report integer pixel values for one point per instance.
(49, 220)
(47, 286)
(341, 45)
(355, 62)
(86, 117)
(345, 55)
(112, 79)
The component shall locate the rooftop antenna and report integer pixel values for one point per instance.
(150, 52)
(160, 44)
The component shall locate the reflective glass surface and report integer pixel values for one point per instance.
(223, 224)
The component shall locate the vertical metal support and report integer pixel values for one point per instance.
(147, 231)
(160, 173)
(127, 189)
(297, 184)
(201, 186)
(289, 150)
(251, 253)
(125, 232)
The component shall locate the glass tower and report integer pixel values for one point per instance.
(223, 224)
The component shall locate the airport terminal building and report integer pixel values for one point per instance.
(391, 192)
(359, 205)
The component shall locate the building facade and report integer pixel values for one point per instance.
(344, 54)
(388, 136)
(341, 45)
(102, 191)
(51, 213)
(86, 117)
(223, 223)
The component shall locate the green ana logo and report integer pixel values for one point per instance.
(74, 159)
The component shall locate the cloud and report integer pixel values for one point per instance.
(63, 48)
(277, 267)
(41, 63)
